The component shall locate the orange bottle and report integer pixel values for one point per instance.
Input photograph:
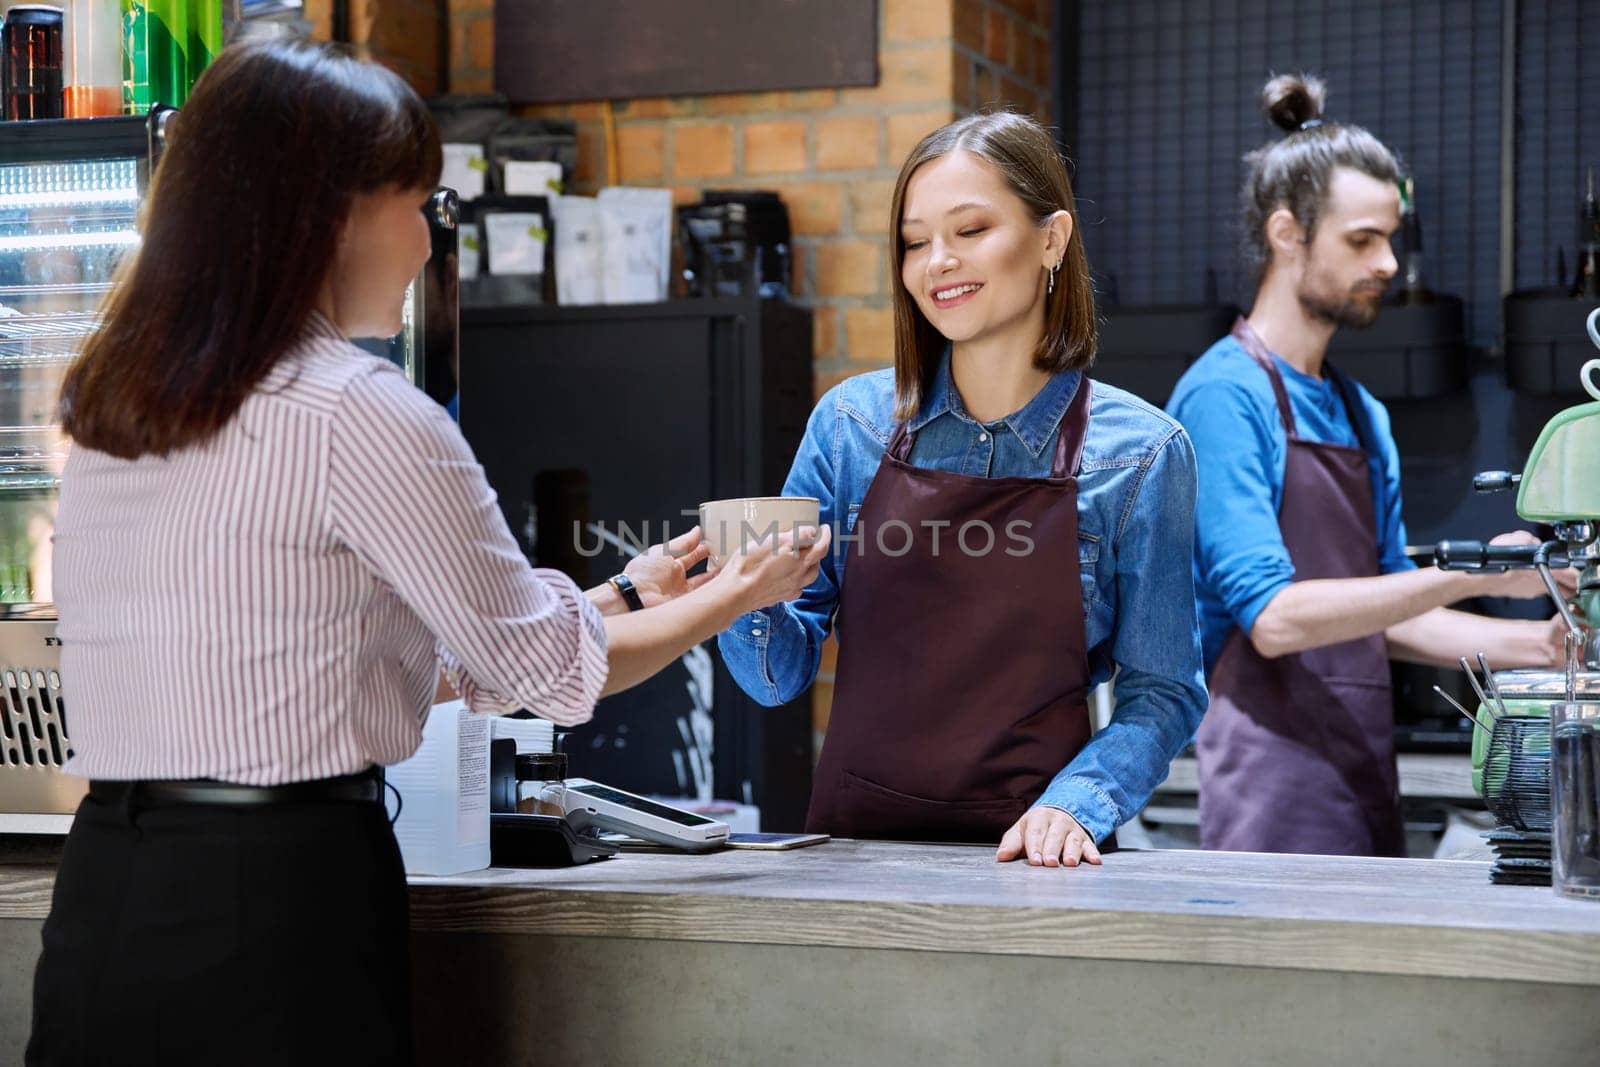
(94, 59)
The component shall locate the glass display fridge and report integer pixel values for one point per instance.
(69, 198)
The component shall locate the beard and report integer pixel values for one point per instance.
(1357, 307)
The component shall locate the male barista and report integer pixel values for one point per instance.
(1305, 590)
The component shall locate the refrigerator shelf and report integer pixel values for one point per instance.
(49, 324)
(46, 341)
(28, 481)
(124, 198)
(56, 352)
(60, 289)
(34, 459)
(43, 242)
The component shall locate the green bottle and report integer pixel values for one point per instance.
(165, 46)
(205, 38)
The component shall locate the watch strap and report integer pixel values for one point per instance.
(630, 594)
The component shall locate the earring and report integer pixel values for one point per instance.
(1050, 286)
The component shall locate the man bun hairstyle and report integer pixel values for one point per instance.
(1294, 172)
(1292, 100)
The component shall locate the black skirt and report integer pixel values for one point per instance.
(208, 935)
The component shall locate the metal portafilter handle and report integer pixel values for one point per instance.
(1481, 556)
(1495, 481)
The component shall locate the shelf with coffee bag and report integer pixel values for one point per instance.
(1145, 349)
(1545, 341)
(1413, 350)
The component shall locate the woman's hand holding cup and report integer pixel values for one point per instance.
(661, 572)
(775, 568)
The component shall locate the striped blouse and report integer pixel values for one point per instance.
(273, 605)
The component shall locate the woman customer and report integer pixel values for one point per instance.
(267, 541)
(1010, 534)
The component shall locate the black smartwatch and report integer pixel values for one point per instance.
(624, 586)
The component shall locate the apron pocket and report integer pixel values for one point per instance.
(873, 810)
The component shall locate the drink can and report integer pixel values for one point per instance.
(205, 37)
(31, 57)
(166, 46)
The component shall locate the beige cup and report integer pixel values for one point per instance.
(727, 524)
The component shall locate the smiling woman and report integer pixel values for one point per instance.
(1019, 223)
(1013, 532)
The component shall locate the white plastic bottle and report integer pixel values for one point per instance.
(443, 826)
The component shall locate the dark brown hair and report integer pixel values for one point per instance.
(1295, 171)
(240, 230)
(1027, 158)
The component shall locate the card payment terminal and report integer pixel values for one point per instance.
(631, 814)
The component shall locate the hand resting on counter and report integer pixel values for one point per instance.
(1047, 837)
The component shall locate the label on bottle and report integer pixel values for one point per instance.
(472, 772)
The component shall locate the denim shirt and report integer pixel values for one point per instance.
(1136, 502)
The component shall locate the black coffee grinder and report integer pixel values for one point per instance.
(534, 838)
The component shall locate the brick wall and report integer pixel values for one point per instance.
(832, 154)
(403, 34)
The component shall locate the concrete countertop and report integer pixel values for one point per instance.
(1436, 775)
(1379, 916)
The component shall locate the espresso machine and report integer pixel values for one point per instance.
(70, 192)
(1559, 486)
(1512, 739)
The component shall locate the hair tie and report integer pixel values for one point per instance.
(1310, 124)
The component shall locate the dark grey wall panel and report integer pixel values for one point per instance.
(1166, 107)
(1558, 139)
(552, 50)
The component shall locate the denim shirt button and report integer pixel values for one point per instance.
(756, 632)
(983, 437)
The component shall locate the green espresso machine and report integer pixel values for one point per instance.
(1560, 485)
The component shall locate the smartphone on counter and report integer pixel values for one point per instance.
(774, 842)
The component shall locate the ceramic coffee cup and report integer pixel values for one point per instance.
(729, 524)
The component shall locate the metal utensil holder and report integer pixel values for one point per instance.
(1516, 772)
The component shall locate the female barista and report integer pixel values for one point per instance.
(266, 540)
(1009, 535)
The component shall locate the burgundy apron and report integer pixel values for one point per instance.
(963, 672)
(1296, 753)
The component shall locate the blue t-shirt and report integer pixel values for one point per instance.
(1225, 401)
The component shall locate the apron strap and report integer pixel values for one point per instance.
(1069, 442)
(900, 442)
(1352, 406)
(1252, 343)
(1074, 428)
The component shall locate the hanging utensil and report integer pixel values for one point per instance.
(1454, 703)
(1477, 687)
(1494, 686)
(1572, 667)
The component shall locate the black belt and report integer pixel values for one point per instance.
(363, 788)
